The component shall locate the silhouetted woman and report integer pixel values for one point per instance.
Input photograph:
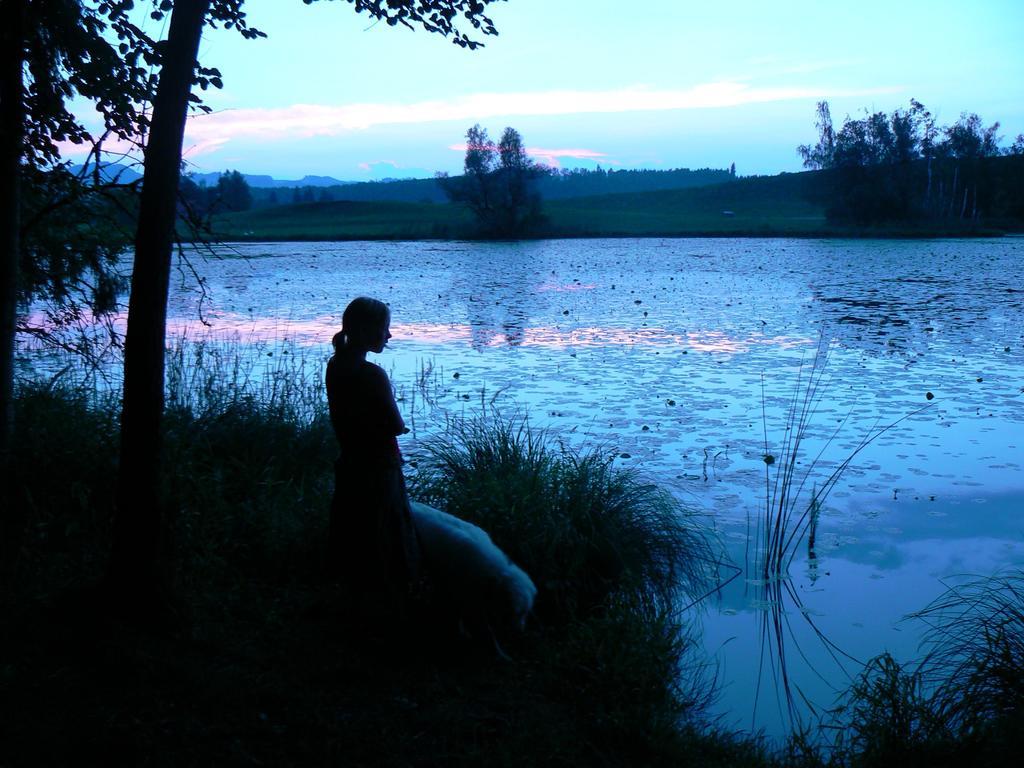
(372, 543)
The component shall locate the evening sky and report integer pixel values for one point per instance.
(658, 84)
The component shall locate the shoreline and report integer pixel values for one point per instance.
(898, 234)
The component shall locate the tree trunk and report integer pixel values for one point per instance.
(135, 563)
(952, 192)
(928, 187)
(12, 130)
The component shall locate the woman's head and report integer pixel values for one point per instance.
(364, 326)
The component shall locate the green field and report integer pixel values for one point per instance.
(769, 205)
(344, 220)
(758, 206)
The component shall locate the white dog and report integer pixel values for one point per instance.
(470, 574)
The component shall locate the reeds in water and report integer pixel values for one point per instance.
(212, 374)
(795, 496)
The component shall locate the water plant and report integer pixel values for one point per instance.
(794, 497)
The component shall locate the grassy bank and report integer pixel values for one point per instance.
(269, 663)
(345, 220)
(769, 206)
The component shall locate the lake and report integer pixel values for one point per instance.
(683, 357)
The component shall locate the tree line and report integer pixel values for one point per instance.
(553, 184)
(230, 193)
(562, 183)
(903, 167)
(233, 193)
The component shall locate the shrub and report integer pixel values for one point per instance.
(588, 533)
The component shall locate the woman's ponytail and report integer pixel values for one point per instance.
(361, 317)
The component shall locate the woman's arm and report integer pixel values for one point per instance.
(384, 402)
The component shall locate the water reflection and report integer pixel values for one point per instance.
(495, 295)
(787, 647)
(509, 331)
(808, 634)
(900, 305)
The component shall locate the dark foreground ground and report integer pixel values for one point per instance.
(256, 659)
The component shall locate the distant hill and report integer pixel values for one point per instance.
(267, 190)
(398, 191)
(110, 172)
(555, 186)
(126, 174)
(258, 181)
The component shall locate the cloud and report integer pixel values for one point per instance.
(372, 164)
(550, 157)
(206, 133)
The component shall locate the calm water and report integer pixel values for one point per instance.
(681, 355)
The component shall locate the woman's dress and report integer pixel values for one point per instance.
(372, 542)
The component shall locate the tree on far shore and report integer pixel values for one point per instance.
(498, 184)
(902, 167)
(231, 193)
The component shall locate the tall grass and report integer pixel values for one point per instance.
(589, 533)
(212, 374)
(248, 448)
(614, 559)
(65, 465)
(608, 676)
(247, 452)
(961, 704)
(975, 652)
(886, 719)
(247, 493)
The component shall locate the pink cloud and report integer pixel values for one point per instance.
(208, 133)
(550, 157)
(299, 121)
(369, 166)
